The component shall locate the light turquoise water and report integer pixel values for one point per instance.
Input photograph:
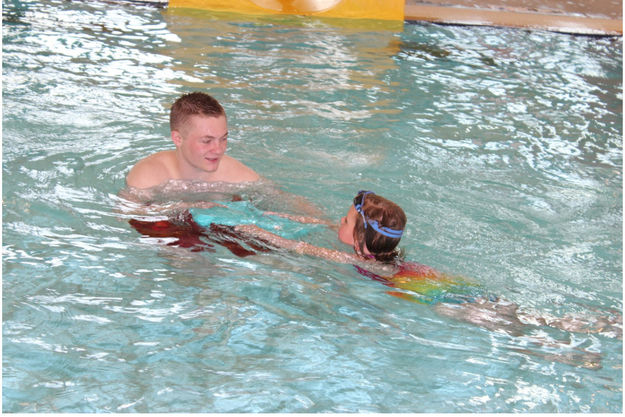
(504, 147)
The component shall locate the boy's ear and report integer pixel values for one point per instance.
(176, 137)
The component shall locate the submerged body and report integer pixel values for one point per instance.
(423, 284)
(452, 296)
(449, 295)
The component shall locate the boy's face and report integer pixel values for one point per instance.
(346, 226)
(202, 142)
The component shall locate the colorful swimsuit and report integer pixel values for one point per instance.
(423, 284)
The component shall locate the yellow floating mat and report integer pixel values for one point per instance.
(351, 9)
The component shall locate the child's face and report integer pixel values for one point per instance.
(346, 226)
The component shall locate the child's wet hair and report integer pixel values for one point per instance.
(389, 216)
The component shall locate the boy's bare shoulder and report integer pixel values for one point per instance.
(236, 171)
(152, 170)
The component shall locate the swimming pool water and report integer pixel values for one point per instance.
(504, 147)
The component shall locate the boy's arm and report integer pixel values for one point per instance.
(296, 203)
(138, 202)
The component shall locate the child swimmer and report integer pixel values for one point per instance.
(374, 225)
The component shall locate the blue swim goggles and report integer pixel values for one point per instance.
(386, 231)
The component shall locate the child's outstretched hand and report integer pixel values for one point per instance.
(299, 218)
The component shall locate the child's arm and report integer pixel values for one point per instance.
(298, 246)
(300, 218)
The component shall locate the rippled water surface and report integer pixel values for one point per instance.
(504, 147)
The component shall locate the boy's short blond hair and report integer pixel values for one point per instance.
(196, 103)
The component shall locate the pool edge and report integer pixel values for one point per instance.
(506, 18)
